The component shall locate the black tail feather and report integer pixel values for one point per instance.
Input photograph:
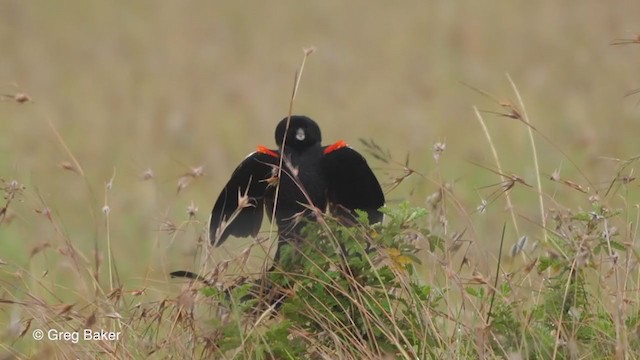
(188, 275)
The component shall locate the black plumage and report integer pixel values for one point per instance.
(334, 177)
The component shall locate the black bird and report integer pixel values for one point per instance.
(303, 175)
(309, 175)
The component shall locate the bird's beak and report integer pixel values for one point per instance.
(300, 134)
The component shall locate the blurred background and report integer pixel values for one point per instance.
(130, 99)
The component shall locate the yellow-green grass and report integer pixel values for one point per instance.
(172, 86)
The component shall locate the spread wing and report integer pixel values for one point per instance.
(350, 182)
(250, 179)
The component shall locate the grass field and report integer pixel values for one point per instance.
(137, 114)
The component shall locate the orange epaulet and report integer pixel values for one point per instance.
(267, 151)
(335, 146)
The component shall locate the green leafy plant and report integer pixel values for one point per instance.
(350, 290)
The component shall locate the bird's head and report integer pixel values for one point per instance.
(302, 133)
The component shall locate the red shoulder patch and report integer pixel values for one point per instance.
(335, 146)
(267, 151)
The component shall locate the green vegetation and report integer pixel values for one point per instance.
(351, 303)
(353, 292)
(511, 231)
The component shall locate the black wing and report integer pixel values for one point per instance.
(252, 173)
(351, 184)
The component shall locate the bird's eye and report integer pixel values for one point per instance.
(300, 134)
